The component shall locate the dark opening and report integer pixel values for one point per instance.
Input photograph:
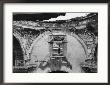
(58, 72)
(17, 53)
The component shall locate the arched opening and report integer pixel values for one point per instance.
(18, 59)
(74, 50)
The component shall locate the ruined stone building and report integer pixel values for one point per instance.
(68, 46)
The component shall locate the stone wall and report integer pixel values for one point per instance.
(84, 27)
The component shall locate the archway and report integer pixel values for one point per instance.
(47, 33)
(18, 59)
(76, 49)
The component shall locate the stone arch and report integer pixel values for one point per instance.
(80, 41)
(18, 58)
(35, 41)
(69, 33)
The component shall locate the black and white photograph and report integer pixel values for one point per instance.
(58, 42)
(55, 43)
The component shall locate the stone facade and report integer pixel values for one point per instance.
(84, 29)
